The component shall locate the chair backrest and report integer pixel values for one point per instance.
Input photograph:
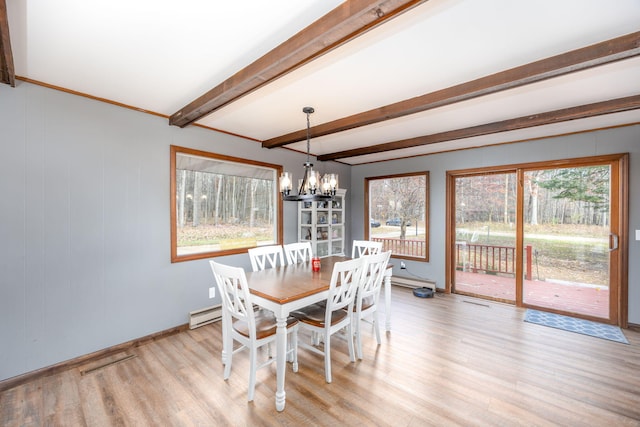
(298, 252)
(346, 278)
(266, 257)
(365, 247)
(376, 268)
(234, 292)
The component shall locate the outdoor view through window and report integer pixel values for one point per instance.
(399, 214)
(221, 204)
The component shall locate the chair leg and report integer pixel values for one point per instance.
(327, 358)
(227, 367)
(227, 355)
(227, 347)
(358, 335)
(294, 345)
(253, 361)
(350, 342)
(290, 346)
(376, 326)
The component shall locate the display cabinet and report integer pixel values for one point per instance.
(322, 224)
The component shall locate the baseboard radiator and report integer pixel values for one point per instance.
(410, 282)
(204, 316)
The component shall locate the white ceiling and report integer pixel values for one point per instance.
(159, 55)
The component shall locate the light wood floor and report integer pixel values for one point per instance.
(449, 360)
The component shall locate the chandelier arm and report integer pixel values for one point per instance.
(303, 183)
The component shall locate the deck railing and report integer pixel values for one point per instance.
(490, 258)
(402, 246)
(472, 257)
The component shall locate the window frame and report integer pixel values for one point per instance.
(368, 215)
(278, 224)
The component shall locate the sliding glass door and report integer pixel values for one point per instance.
(542, 235)
(567, 230)
(485, 242)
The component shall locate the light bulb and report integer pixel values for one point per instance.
(333, 180)
(312, 179)
(285, 182)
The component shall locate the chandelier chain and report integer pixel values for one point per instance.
(308, 135)
(312, 187)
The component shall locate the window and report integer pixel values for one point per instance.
(221, 205)
(397, 212)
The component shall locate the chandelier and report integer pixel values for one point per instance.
(311, 187)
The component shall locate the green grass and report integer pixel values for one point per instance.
(215, 235)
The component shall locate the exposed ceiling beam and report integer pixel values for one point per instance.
(551, 117)
(337, 27)
(576, 60)
(7, 72)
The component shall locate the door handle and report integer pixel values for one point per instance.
(613, 238)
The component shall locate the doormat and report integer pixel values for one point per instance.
(572, 324)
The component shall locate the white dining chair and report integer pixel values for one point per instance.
(266, 257)
(252, 329)
(368, 297)
(298, 252)
(335, 315)
(365, 247)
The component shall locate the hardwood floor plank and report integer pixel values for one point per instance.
(22, 405)
(449, 361)
(62, 400)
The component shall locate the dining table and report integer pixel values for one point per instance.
(288, 288)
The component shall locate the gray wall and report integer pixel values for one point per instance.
(85, 256)
(620, 140)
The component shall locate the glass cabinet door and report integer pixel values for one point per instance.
(337, 226)
(322, 249)
(322, 224)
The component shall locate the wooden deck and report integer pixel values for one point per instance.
(573, 297)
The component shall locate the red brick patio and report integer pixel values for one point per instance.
(570, 297)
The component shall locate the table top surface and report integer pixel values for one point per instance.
(292, 282)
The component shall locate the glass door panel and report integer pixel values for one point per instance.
(566, 239)
(485, 242)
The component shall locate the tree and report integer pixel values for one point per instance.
(181, 184)
(534, 190)
(197, 185)
(587, 187)
(404, 197)
(484, 198)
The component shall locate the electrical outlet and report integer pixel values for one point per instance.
(402, 265)
(212, 292)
